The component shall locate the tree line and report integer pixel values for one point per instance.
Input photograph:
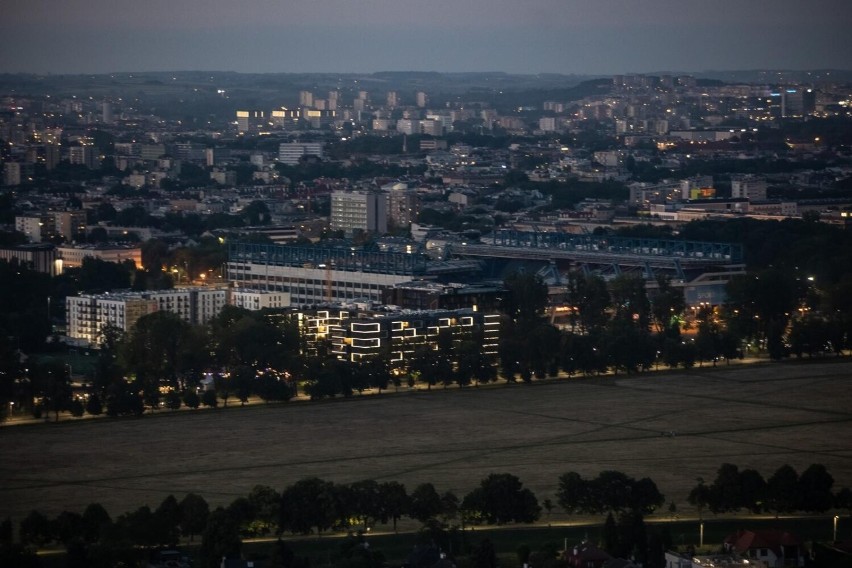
(785, 491)
(316, 506)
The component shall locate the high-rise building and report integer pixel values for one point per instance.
(358, 210)
(12, 173)
(107, 116)
(408, 126)
(37, 228)
(403, 207)
(86, 155)
(422, 99)
(748, 186)
(71, 225)
(392, 99)
(306, 99)
(251, 121)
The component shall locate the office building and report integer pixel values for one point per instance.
(72, 256)
(38, 257)
(321, 274)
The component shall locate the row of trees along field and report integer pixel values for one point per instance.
(314, 505)
(617, 326)
(784, 492)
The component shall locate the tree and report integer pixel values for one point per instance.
(68, 526)
(36, 529)
(699, 497)
(95, 521)
(220, 539)
(752, 490)
(308, 504)
(168, 516)
(191, 399)
(814, 489)
(782, 490)
(365, 502)
(573, 495)
(425, 503)
(726, 491)
(395, 501)
(266, 504)
(193, 515)
(500, 499)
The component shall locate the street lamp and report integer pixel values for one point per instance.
(701, 535)
(835, 528)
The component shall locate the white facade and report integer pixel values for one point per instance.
(32, 227)
(751, 187)
(258, 299)
(290, 152)
(88, 314)
(314, 285)
(358, 210)
(72, 256)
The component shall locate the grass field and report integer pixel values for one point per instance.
(758, 416)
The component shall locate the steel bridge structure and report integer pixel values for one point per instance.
(605, 254)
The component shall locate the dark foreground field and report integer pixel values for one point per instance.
(753, 416)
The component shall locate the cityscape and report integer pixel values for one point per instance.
(580, 312)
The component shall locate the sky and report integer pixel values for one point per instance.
(598, 37)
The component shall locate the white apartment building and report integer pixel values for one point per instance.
(255, 300)
(359, 210)
(88, 314)
(290, 152)
(751, 187)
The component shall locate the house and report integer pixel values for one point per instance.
(586, 555)
(773, 547)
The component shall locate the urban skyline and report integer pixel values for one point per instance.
(575, 37)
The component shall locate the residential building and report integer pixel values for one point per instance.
(12, 173)
(255, 300)
(772, 547)
(291, 152)
(37, 228)
(88, 314)
(363, 334)
(71, 225)
(403, 207)
(251, 121)
(359, 210)
(751, 187)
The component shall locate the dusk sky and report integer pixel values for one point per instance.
(518, 36)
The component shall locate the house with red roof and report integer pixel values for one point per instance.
(773, 547)
(586, 555)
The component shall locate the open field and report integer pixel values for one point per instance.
(753, 416)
